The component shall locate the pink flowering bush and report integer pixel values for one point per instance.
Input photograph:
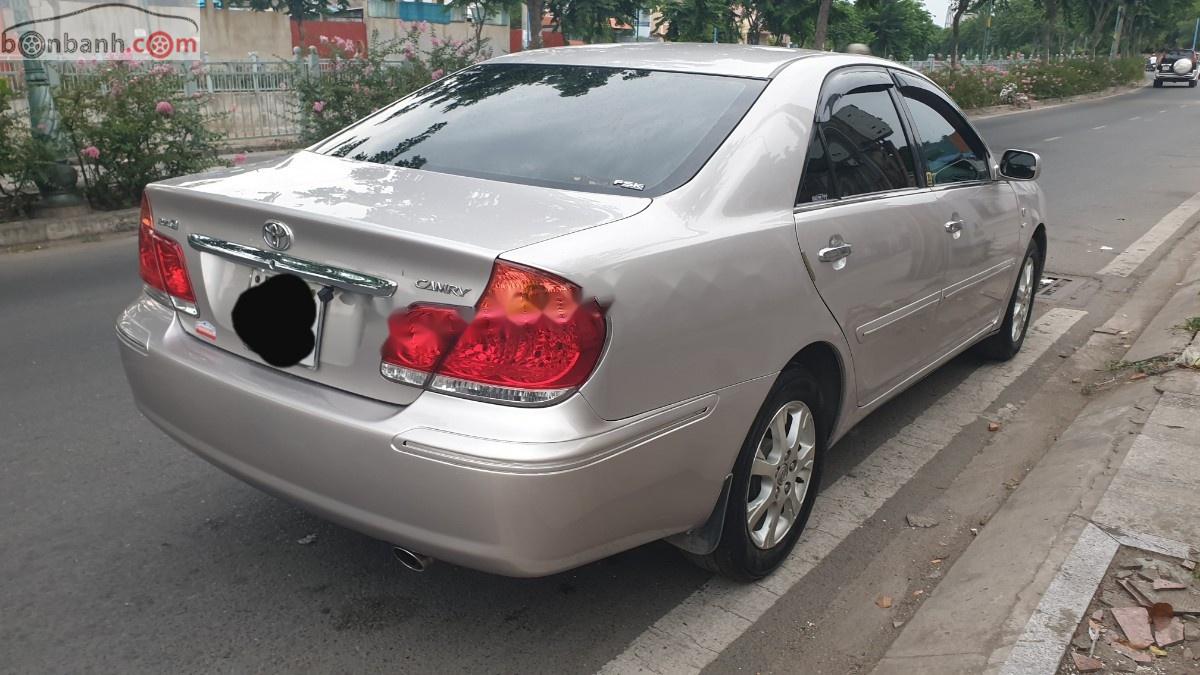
(980, 86)
(361, 80)
(132, 123)
(24, 158)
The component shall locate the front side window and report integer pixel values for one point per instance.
(865, 143)
(952, 151)
(615, 130)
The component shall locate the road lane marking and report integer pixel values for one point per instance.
(1099, 127)
(1135, 118)
(1051, 139)
(695, 632)
(1128, 260)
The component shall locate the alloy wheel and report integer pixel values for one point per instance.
(1023, 300)
(780, 474)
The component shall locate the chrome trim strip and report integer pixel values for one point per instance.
(622, 438)
(867, 329)
(347, 280)
(958, 287)
(857, 199)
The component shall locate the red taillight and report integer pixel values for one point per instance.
(417, 339)
(174, 268)
(160, 260)
(532, 340)
(148, 258)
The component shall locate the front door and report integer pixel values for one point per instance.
(870, 234)
(979, 215)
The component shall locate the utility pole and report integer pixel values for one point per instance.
(1195, 34)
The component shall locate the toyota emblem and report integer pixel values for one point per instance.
(277, 235)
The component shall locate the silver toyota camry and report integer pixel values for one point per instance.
(566, 302)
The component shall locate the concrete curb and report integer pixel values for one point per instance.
(1139, 510)
(44, 230)
(1004, 605)
(1162, 336)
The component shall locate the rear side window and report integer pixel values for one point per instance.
(621, 131)
(953, 152)
(817, 185)
(865, 144)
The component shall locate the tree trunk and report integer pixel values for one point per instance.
(753, 28)
(536, 9)
(822, 24)
(1102, 17)
(959, 10)
(1051, 25)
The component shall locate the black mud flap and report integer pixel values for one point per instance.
(704, 538)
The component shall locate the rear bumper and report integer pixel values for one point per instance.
(515, 491)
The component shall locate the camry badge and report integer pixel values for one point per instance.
(442, 287)
(277, 235)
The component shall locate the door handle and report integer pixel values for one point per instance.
(837, 250)
(954, 226)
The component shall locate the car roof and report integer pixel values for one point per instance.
(709, 59)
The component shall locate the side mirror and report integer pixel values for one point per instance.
(1020, 165)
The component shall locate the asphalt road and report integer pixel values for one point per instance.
(123, 552)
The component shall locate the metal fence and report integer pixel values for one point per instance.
(255, 95)
(937, 64)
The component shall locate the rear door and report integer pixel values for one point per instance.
(979, 216)
(869, 231)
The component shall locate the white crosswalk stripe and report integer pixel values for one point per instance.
(1128, 260)
(694, 633)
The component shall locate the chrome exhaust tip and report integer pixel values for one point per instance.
(413, 561)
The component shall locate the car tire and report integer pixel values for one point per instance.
(1191, 83)
(1017, 315)
(1158, 84)
(777, 481)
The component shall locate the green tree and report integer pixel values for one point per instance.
(959, 9)
(477, 12)
(901, 27)
(698, 21)
(846, 25)
(588, 20)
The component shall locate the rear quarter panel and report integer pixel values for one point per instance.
(706, 288)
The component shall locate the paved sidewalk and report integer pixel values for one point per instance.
(1126, 472)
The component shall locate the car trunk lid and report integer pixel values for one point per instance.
(428, 237)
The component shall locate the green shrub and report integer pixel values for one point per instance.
(23, 159)
(131, 124)
(979, 86)
(356, 85)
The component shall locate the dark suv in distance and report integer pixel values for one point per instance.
(1176, 65)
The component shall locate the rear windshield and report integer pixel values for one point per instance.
(619, 131)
